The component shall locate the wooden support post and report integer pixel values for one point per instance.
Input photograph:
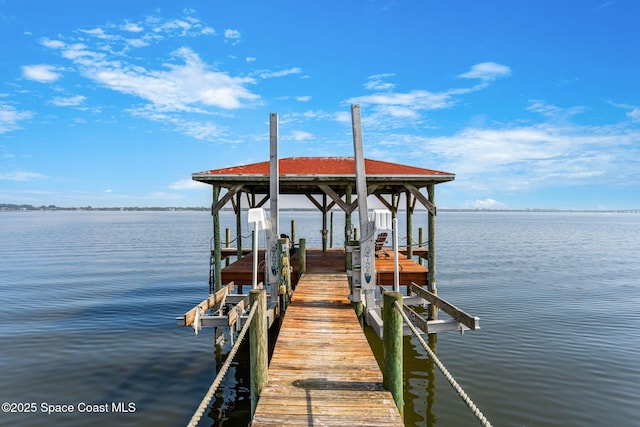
(324, 222)
(347, 217)
(392, 343)
(331, 231)
(293, 231)
(284, 274)
(347, 236)
(239, 225)
(302, 257)
(409, 208)
(217, 279)
(420, 242)
(258, 350)
(431, 277)
(227, 244)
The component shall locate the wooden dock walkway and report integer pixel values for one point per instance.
(323, 372)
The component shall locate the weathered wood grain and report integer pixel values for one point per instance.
(323, 371)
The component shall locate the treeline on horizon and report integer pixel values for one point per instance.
(26, 207)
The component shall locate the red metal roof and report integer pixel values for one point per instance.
(319, 166)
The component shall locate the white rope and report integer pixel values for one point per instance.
(476, 411)
(225, 367)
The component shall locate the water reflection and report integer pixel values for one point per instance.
(431, 381)
(419, 383)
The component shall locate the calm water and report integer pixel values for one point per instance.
(89, 301)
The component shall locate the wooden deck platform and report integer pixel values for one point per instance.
(323, 372)
(333, 260)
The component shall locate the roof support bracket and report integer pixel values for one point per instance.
(418, 195)
(337, 199)
(230, 193)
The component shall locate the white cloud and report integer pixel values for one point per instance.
(519, 158)
(42, 73)
(132, 28)
(183, 84)
(299, 135)
(71, 101)
(99, 33)
(185, 87)
(484, 204)
(553, 111)
(303, 98)
(10, 117)
(188, 184)
(414, 100)
(52, 44)
(487, 71)
(397, 109)
(232, 34)
(21, 176)
(634, 114)
(267, 74)
(376, 82)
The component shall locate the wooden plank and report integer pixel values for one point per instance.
(208, 303)
(418, 195)
(235, 312)
(469, 321)
(336, 198)
(230, 193)
(323, 371)
(417, 319)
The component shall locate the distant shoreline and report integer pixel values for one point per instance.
(31, 208)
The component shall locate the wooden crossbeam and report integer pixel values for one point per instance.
(418, 195)
(336, 198)
(236, 311)
(208, 303)
(230, 193)
(467, 320)
(416, 318)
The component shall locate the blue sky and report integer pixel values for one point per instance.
(532, 104)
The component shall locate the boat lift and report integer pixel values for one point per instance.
(363, 271)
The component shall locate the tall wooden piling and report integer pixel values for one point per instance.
(217, 257)
(258, 343)
(227, 244)
(302, 257)
(409, 208)
(238, 210)
(284, 272)
(431, 283)
(420, 242)
(331, 230)
(392, 343)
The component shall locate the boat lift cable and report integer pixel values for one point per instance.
(225, 367)
(476, 411)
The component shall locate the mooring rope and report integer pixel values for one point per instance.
(225, 367)
(476, 411)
